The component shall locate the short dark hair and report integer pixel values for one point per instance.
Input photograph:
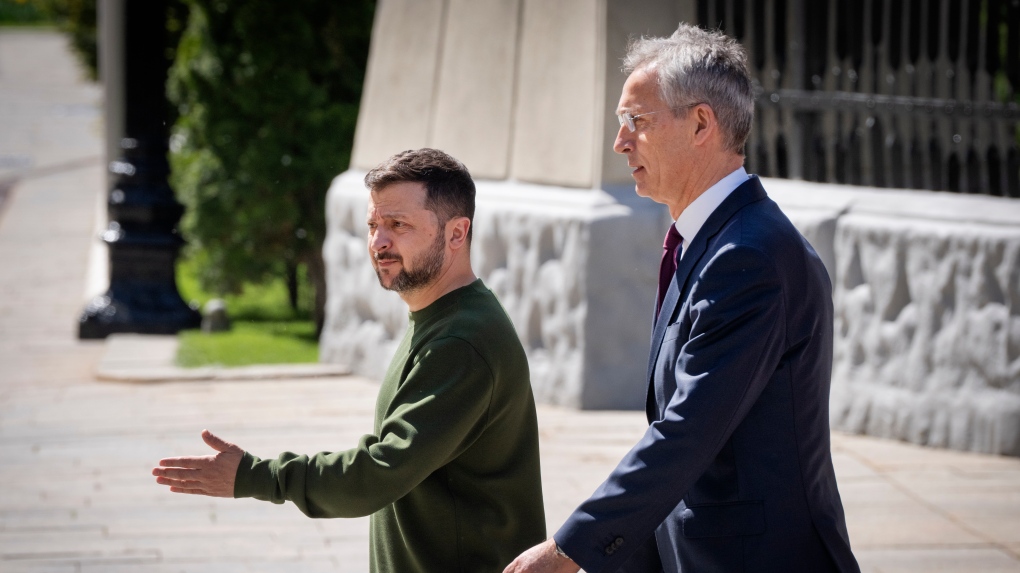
(449, 189)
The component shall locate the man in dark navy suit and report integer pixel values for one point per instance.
(734, 472)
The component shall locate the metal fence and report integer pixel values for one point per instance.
(916, 94)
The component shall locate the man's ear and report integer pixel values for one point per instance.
(457, 232)
(705, 124)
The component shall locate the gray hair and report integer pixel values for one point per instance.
(695, 65)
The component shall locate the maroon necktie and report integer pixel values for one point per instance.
(668, 265)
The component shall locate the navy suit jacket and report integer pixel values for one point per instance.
(734, 472)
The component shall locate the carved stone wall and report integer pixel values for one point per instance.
(926, 288)
(523, 92)
(574, 270)
(927, 324)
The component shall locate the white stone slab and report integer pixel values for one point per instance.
(624, 21)
(474, 96)
(397, 101)
(926, 288)
(558, 93)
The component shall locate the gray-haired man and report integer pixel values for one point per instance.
(734, 472)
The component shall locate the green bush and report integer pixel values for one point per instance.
(268, 96)
(21, 13)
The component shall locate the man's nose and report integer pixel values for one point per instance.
(624, 140)
(378, 241)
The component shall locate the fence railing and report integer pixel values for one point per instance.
(888, 93)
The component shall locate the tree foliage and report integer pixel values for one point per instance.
(267, 95)
(21, 13)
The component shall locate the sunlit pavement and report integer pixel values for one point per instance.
(75, 452)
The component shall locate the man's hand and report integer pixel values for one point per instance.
(542, 558)
(206, 475)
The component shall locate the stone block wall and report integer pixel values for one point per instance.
(927, 323)
(574, 270)
(521, 90)
(926, 289)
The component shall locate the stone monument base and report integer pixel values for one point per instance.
(926, 289)
(575, 270)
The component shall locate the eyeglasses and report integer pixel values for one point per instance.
(627, 119)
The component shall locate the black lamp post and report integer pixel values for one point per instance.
(142, 236)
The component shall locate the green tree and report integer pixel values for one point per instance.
(22, 13)
(268, 96)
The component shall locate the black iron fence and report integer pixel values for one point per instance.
(921, 94)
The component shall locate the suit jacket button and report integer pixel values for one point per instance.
(612, 547)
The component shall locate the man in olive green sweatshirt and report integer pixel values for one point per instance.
(450, 474)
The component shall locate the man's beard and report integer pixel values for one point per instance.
(426, 268)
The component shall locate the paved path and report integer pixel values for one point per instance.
(75, 452)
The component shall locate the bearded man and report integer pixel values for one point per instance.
(450, 473)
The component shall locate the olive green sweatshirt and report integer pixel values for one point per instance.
(451, 473)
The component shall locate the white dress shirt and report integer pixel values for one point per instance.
(694, 216)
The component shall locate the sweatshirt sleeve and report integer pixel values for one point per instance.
(438, 411)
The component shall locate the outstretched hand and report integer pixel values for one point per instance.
(211, 475)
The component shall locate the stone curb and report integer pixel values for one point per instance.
(150, 358)
(262, 372)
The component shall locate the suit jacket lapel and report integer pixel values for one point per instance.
(747, 193)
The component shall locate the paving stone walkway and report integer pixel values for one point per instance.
(75, 452)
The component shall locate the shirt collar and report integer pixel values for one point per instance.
(694, 216)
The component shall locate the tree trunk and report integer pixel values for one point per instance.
(317, 276)
(292, 285)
